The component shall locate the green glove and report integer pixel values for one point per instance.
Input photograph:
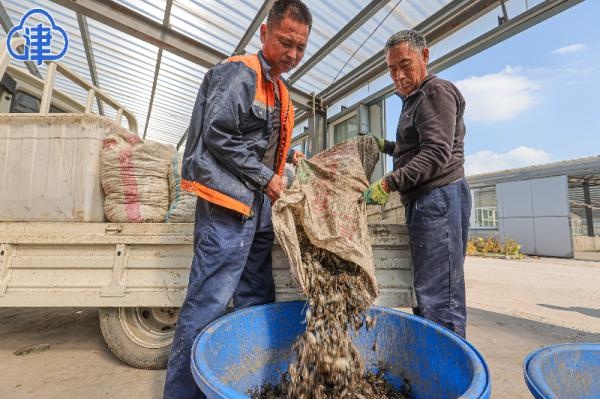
(375, 194)
(380, 143)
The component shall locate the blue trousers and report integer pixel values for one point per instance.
(232, 260)
(438, 227)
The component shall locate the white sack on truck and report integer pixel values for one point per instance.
(134, 175)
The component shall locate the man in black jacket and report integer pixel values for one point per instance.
(429, 174)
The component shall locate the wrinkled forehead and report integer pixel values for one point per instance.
(291, 29)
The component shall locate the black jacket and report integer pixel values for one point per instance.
(429, 148)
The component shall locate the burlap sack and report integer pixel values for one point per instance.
(134, 175)
(325, 201)
(183, 203)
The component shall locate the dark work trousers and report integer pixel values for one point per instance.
(232, 259)
(438, 227)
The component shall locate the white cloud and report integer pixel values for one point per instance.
(489, 161)
(570, 49)
(499, 96)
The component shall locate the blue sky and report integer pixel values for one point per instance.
(532, 99)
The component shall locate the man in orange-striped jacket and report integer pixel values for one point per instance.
(238, 143)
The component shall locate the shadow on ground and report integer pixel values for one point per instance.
(504, 342)
(585, 311)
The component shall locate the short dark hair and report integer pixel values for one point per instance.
(294, 9)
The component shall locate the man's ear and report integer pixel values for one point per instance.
(425, 55)
(263, 33)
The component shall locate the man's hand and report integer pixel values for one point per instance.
(380, 142)
(274, 188)
(378, 193)
(297, 156)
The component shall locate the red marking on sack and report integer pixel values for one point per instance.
(132, 138)
(108, 143)
(132, 200)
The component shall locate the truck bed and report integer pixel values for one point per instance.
(51, 264)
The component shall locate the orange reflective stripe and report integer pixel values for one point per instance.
(215, 197)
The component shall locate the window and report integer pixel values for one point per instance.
(26, 103)
(346, 129)
(56, 110)
(486, 217)
(485, 210)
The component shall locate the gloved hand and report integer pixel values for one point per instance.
(376, 194)
(380, 142)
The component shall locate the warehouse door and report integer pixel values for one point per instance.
(535, 213)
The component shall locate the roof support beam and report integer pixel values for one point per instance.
(89, 54)
(363, 16)
(166, 24)
(508, 29)
(137, 25)
(446, 21)
(525, 20)
(301, 116)
(8, 25)
(182, 139)
(254, 25)
(154, 81)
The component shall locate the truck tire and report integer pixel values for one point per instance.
(141, 337)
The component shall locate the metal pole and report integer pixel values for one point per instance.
(89, 54)
(254, 25)
(589, 216)
(166, 25)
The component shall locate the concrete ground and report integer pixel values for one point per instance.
(562, 292)
(588, 255)
(518, 306)
(514, 308)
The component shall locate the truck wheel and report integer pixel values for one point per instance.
(141, 337)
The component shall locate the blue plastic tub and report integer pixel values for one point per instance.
(565, 371)
(247, 348)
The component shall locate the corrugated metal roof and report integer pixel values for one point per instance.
(176, 90)
(151, 8)
(217, 23)
(126, 65)
(588, 166)
(365, 42)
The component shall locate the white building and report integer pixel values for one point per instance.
(551, 209)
